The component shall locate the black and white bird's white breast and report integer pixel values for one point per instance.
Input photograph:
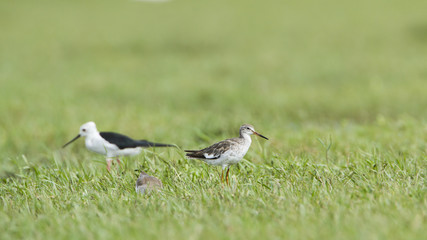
(96, 143)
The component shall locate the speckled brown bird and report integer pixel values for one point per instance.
(227, 152)
(145, 183)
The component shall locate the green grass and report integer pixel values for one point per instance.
(338, 88)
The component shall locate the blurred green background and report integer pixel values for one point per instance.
(169, 67)
(191, 72)
(279, 61)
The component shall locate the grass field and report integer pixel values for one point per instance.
(339, 88)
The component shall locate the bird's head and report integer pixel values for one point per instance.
(247, 129)
(87, 129)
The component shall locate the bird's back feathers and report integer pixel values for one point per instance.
(214, 151)
(122, 141)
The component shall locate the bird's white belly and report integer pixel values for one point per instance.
(228, 158)
(102, 147)
(128, 151)
(95, 146)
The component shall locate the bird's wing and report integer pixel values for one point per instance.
(123, 141)
(120, 140)
(145, 143)
(212, 152)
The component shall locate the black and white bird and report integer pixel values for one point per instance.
(145, 183)
(227, 152)
(111, 144)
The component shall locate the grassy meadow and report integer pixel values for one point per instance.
(339, 88)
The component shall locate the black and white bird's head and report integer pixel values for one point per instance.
(247, 129)
(85, 130)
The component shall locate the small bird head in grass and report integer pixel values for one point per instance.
(145, 183)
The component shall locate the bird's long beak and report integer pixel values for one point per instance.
(260, 135)
(74, 139)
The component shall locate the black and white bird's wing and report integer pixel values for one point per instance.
(120, 140)
(123, 141)
(145, 143)
(212, 152)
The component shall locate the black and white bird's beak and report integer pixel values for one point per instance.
(259, 135)
(74, 139)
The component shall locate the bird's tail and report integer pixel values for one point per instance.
(192, 153)
(145, 143)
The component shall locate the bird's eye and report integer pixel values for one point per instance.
(84, 130)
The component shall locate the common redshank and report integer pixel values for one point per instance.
(227, 152)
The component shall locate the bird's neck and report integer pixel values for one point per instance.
(246, 137)
(93, 135)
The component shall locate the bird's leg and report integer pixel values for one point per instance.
(109, 161)
(222, 176)
(226, 175)
(118, 161)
